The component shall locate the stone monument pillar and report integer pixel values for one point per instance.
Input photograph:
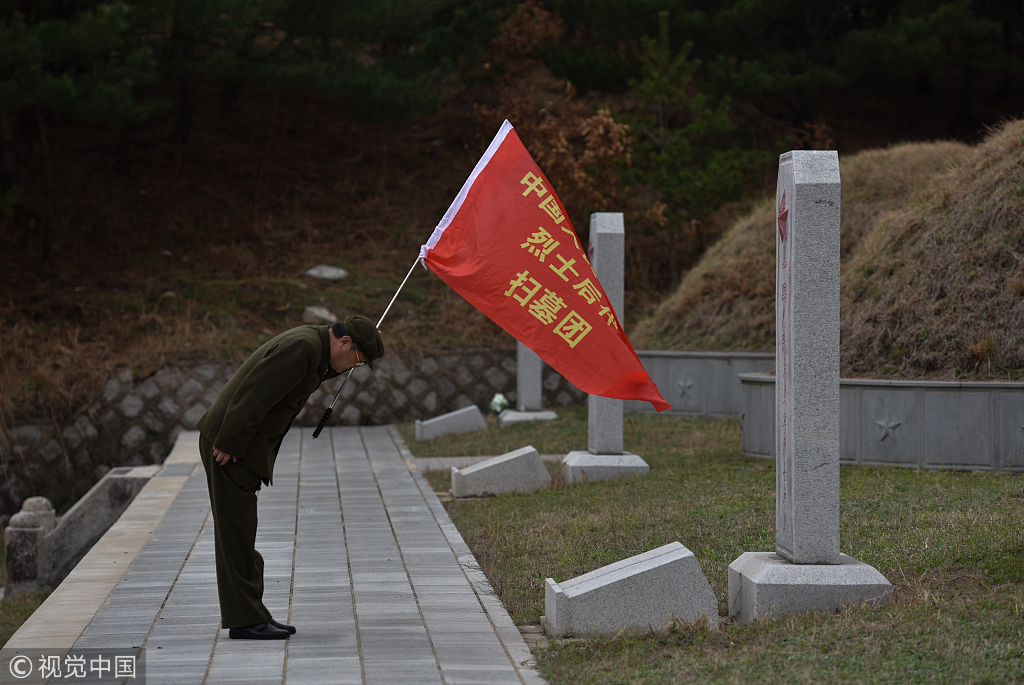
(529, 372)
(529, 390)
(807, 359)
(604, 457)
(806, 572)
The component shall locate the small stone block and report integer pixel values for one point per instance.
(765, 584)
(521, 470)
(646, 591)
(580, 466)
(465, 420)
(326, 272)
(509, 417)
(318, 315)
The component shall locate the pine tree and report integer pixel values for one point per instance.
(75, 61)
(683, 142)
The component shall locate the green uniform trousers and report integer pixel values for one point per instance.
(239, 566)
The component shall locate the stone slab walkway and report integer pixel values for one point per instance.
(360, 556)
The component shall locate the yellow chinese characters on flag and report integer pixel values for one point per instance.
(506, 246)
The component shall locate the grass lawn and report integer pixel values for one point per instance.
(952, 544)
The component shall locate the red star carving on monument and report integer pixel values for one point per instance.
(783, 216)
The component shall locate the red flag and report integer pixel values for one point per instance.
(506, 246)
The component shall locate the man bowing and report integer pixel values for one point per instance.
(240, 435)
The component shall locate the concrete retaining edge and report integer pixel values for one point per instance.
(700, 383)
(922, 424)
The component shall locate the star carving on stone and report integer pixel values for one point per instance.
(783, 217)
(888, 427)
(684, 386)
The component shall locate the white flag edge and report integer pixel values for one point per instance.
(456, 205)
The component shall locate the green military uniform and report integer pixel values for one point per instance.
(248, 421)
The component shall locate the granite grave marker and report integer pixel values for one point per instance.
(605, 457)
(807, 571)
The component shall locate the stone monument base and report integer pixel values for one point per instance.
(509, 417)
(765, 584)
(580, 466)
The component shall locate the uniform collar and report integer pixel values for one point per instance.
(325, 370)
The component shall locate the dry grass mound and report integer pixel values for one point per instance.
(937, 290)
(727, 302)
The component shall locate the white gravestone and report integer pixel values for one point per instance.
(521, 470)
(510, 417)
(605, 457)
(807, 552)
(465, 420)
(645, 592)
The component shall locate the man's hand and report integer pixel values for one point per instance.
(222, 458)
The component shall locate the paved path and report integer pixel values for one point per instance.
(360, 557)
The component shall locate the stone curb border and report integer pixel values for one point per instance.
(512, 640)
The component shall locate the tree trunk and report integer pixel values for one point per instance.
(924, 82)
(229, 93)
(187, 102)
(122, 149)
(185, 108)
(46, 226)
(8, 168)
(963, 114)
(857, 15)
(1003, 90)
(232, 86)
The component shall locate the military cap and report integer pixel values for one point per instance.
(366, 337)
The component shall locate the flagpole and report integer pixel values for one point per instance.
(398, 291)
(327, 414)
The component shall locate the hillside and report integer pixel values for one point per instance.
(199, 252)
(728, 300)
(932, 238)
(937, 289)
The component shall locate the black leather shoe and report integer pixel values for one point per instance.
(262, 631)
(283, 626)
